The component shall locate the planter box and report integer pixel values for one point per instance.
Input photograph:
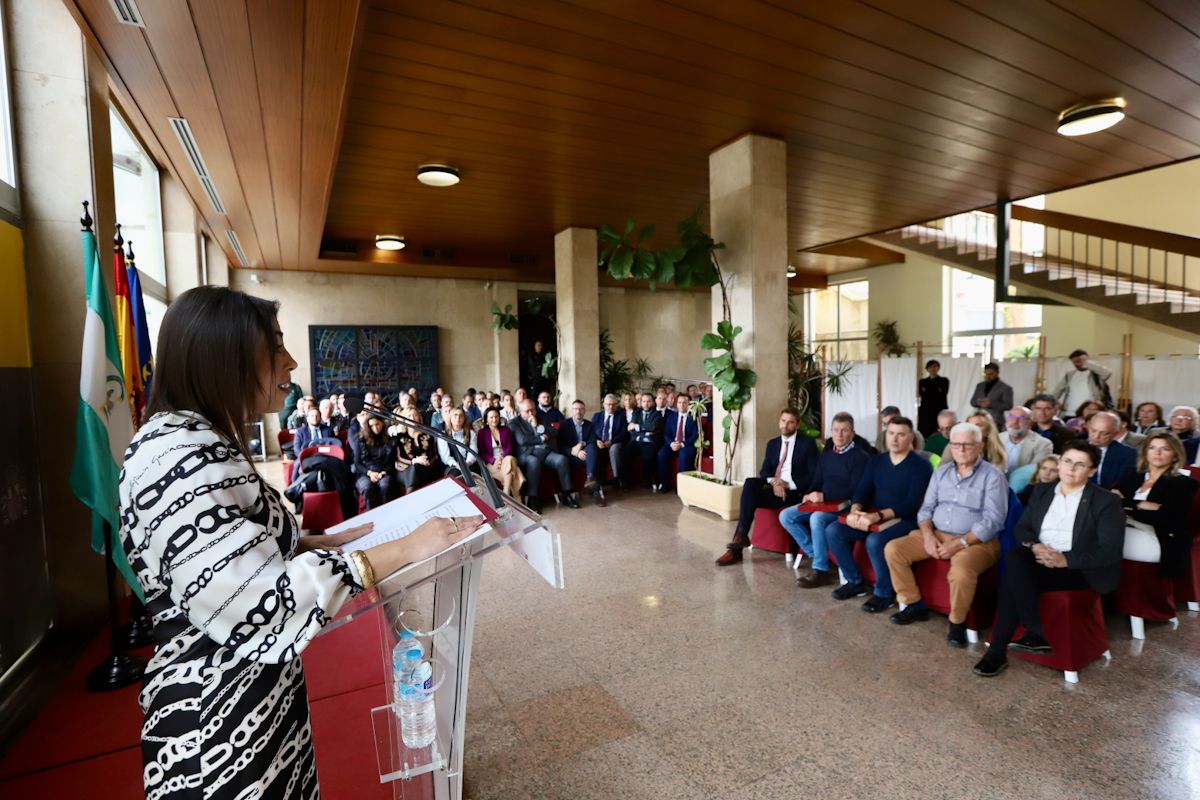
(709, 495)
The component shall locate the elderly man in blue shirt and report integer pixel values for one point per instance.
(964, 509)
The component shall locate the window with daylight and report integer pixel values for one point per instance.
(838, 319)
(139, 205)
(981, 325)
(8, 157)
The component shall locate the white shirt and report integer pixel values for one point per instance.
(785, 474)
(1079, 390)
(1058, 526)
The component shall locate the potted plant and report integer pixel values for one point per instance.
(690, 262)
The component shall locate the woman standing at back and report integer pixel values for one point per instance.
(235, 592)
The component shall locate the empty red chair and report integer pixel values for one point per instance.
(1074, 625)
(1144, 594)
(932, 579)
(285, 438)
(767, 534)
(322, 510)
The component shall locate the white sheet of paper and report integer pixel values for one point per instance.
(402, 516)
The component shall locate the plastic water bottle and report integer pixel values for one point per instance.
(418, 723)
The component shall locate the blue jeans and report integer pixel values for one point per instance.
(841, 542)
(808, 529)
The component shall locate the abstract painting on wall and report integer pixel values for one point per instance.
(382, 358)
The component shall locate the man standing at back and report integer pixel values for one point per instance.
(788, 466)
(993, 395)
(1087, 381)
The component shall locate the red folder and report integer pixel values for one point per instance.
(831, 507)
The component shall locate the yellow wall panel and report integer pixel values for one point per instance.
(14, 300)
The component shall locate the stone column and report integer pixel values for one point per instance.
(506, 359)
(748, 212)
(576, 276)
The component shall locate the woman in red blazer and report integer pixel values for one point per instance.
(496, 450)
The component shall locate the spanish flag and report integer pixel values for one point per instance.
(145, 348)
(126, 338)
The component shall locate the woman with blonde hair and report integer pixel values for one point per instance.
(1046, 472)
(1157, 499)
(994, 451)
(458, 427)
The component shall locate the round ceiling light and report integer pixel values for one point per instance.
(791, 271)
(389, 241)
(437, 175)
(1091, 116)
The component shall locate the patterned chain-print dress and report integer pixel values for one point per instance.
(213, 548)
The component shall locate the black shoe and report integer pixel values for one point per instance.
(914, 613)
(849, 590)
(534, 504)
(569, 500)
(990, 665)
(1031, 643)
(957, 637)
(875, 604)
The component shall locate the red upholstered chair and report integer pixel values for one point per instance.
(288, 468)
(932, 579)
(332, 450)
(706, 465)
(1074, 626)
(322, 510)
(1144, 594)
(767, 534)
(285, 438)
(863, 560)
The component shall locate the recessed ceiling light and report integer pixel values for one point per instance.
(791, 271)
(389, 242)
(437, 175)
(1091, 116)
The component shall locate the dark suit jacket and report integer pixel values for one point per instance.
(1060, 435)
(620, 430)
(1098, 538)
(551, 414)
(528, 441)
(483, 441)
(1119, 460)
(1189, 448)
(304, 437)
(567, 438)
(652, 427)
(690, 429)
(1001, 397)
(803, 457)
(1174, 493)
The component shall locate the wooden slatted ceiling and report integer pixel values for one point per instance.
(590, 111)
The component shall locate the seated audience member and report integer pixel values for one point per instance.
(707, 390)
(789, 464)
(369, 399)
(645, 437)
(892, 487)
(960, 519)
(575, 437)
(839, 469)
(375, 464)
(536, 441)
(1020, 444)
(470, 409)
(339, 420)
(939, 441)
(519, 396)
(992, 394)
(494, 401)
(459, 429)
(1087, 380)
(547, 410)
(508, 407)
(1043, 407)
(671, 395)
(313, 430)
(885, 416)
(1157, 499)
(994, 451)
(680, 432)
(630, 403)
(300, 415)
(660, 401)
(1069, 537)
(435, 404)
(1046, 472)
(1149, 416)
(1116, 460)
(1124, 433)
(416, 454)
(612, 434)
(497, 450)
(1088, 409)
(440, 417)
(1182, 421)
(693, 391)
(403, 401)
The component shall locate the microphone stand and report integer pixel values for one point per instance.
(458, 449)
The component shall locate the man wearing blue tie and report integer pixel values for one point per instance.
(1116, 459)
(313, 430)
(611, 435)
(679, 442)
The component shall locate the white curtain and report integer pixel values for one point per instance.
(1166, 381)
(900, 384)
(858, 398)
(1021, 376)
(963, 372)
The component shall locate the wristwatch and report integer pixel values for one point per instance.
(964, 541)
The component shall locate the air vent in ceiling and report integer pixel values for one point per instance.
(437, 254)
(236, 244)
(522, 259)
(183, 132)
(339, 248)
(127, 12)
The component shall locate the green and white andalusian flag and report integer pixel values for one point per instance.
(103, 425)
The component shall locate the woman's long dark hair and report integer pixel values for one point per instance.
(207, 358)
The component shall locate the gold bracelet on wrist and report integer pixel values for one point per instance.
(363, 565)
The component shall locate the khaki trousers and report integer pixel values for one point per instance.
(965, 568)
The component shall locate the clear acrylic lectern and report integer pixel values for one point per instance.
(435, 601)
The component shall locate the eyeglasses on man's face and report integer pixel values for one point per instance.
(964, 445)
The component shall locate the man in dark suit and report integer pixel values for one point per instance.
(612, 434)
(1116, 459)
(679, 441)
(1070, 537)
(313, 430)
(1042, 407)
(993, 395)
(645, 436)
(546, 409)
(576, 439)
(536, 443)
(788, 468)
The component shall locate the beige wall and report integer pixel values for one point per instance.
(1163, 199)
(664, 327)
(910, 293)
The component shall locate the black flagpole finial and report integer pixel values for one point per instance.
(117, 240)
(129, 250)
(86, 219)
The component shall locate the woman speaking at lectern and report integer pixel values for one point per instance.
(234, 590)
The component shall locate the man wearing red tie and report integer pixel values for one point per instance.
(679, 442)
(788, 465)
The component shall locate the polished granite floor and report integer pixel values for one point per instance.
(654, 674)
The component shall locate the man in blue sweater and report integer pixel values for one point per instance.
(892, 488)
(839, 469)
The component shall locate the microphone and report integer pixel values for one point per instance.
(355, 404)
